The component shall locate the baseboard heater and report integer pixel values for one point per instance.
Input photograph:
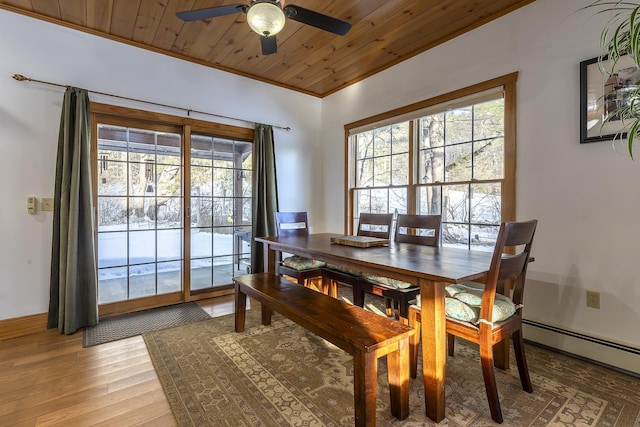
(630, 352)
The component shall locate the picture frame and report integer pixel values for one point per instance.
(600, 93)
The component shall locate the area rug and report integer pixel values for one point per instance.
(282, 375)
(132, 324)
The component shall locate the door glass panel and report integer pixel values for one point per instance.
(221, 214)
(113, 284)
(142, 247)
(201, 273)
(142, 280)
(139, 176)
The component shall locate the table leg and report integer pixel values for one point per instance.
(434, 346)
(241, 309)
(270, 266)
(269, 259)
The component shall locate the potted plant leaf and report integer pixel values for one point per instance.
(620, 38)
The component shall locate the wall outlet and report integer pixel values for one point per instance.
(593, 299)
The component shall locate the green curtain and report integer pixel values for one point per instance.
(73, 300)
(265, 192)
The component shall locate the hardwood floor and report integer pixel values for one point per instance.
(48, 379)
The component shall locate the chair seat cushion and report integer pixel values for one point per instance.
(387, 282)
(301, 263)
(355, 273)
(463, 303)
(452, 290)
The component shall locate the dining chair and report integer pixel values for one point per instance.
(415, 229)
(292, 224)
(370, 225)
(488, 315)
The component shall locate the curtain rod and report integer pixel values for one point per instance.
(21, 78)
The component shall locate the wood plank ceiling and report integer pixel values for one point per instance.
(309, 60)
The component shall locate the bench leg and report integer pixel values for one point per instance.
(241, 308)
(365, 388)
(398, 372)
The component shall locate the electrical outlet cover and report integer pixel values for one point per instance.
(47, 204)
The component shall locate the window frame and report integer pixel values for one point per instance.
(411, 112)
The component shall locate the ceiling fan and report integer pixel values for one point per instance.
(267, 18)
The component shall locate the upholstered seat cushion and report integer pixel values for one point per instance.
(355, 273)
(301, 263)
(463, 303)
(387, 282)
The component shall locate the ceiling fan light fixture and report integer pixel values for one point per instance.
(266, 18)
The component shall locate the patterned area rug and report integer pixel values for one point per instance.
(132, 324)
(282, 375)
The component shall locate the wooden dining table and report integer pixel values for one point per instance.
(431, 268)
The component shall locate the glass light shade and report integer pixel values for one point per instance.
(266, 19)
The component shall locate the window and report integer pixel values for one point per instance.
(451, 156)
(173, 207)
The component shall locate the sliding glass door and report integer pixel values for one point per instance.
(173, 210)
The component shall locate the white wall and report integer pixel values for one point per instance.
(30, 115)
(584, 196)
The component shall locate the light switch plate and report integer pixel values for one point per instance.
(47, 204)
(31, 205)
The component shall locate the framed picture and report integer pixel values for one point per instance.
(601, 93)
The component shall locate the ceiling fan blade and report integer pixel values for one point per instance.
(210, 12)
(318, 20)
(269, 45)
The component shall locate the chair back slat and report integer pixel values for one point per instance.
(511, 266)
(418, 229)
(375, 225)
(519, 233)
(292, 224)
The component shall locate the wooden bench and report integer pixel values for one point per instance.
(361, 333)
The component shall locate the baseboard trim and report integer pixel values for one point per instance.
(621, 357)
(21, 326)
